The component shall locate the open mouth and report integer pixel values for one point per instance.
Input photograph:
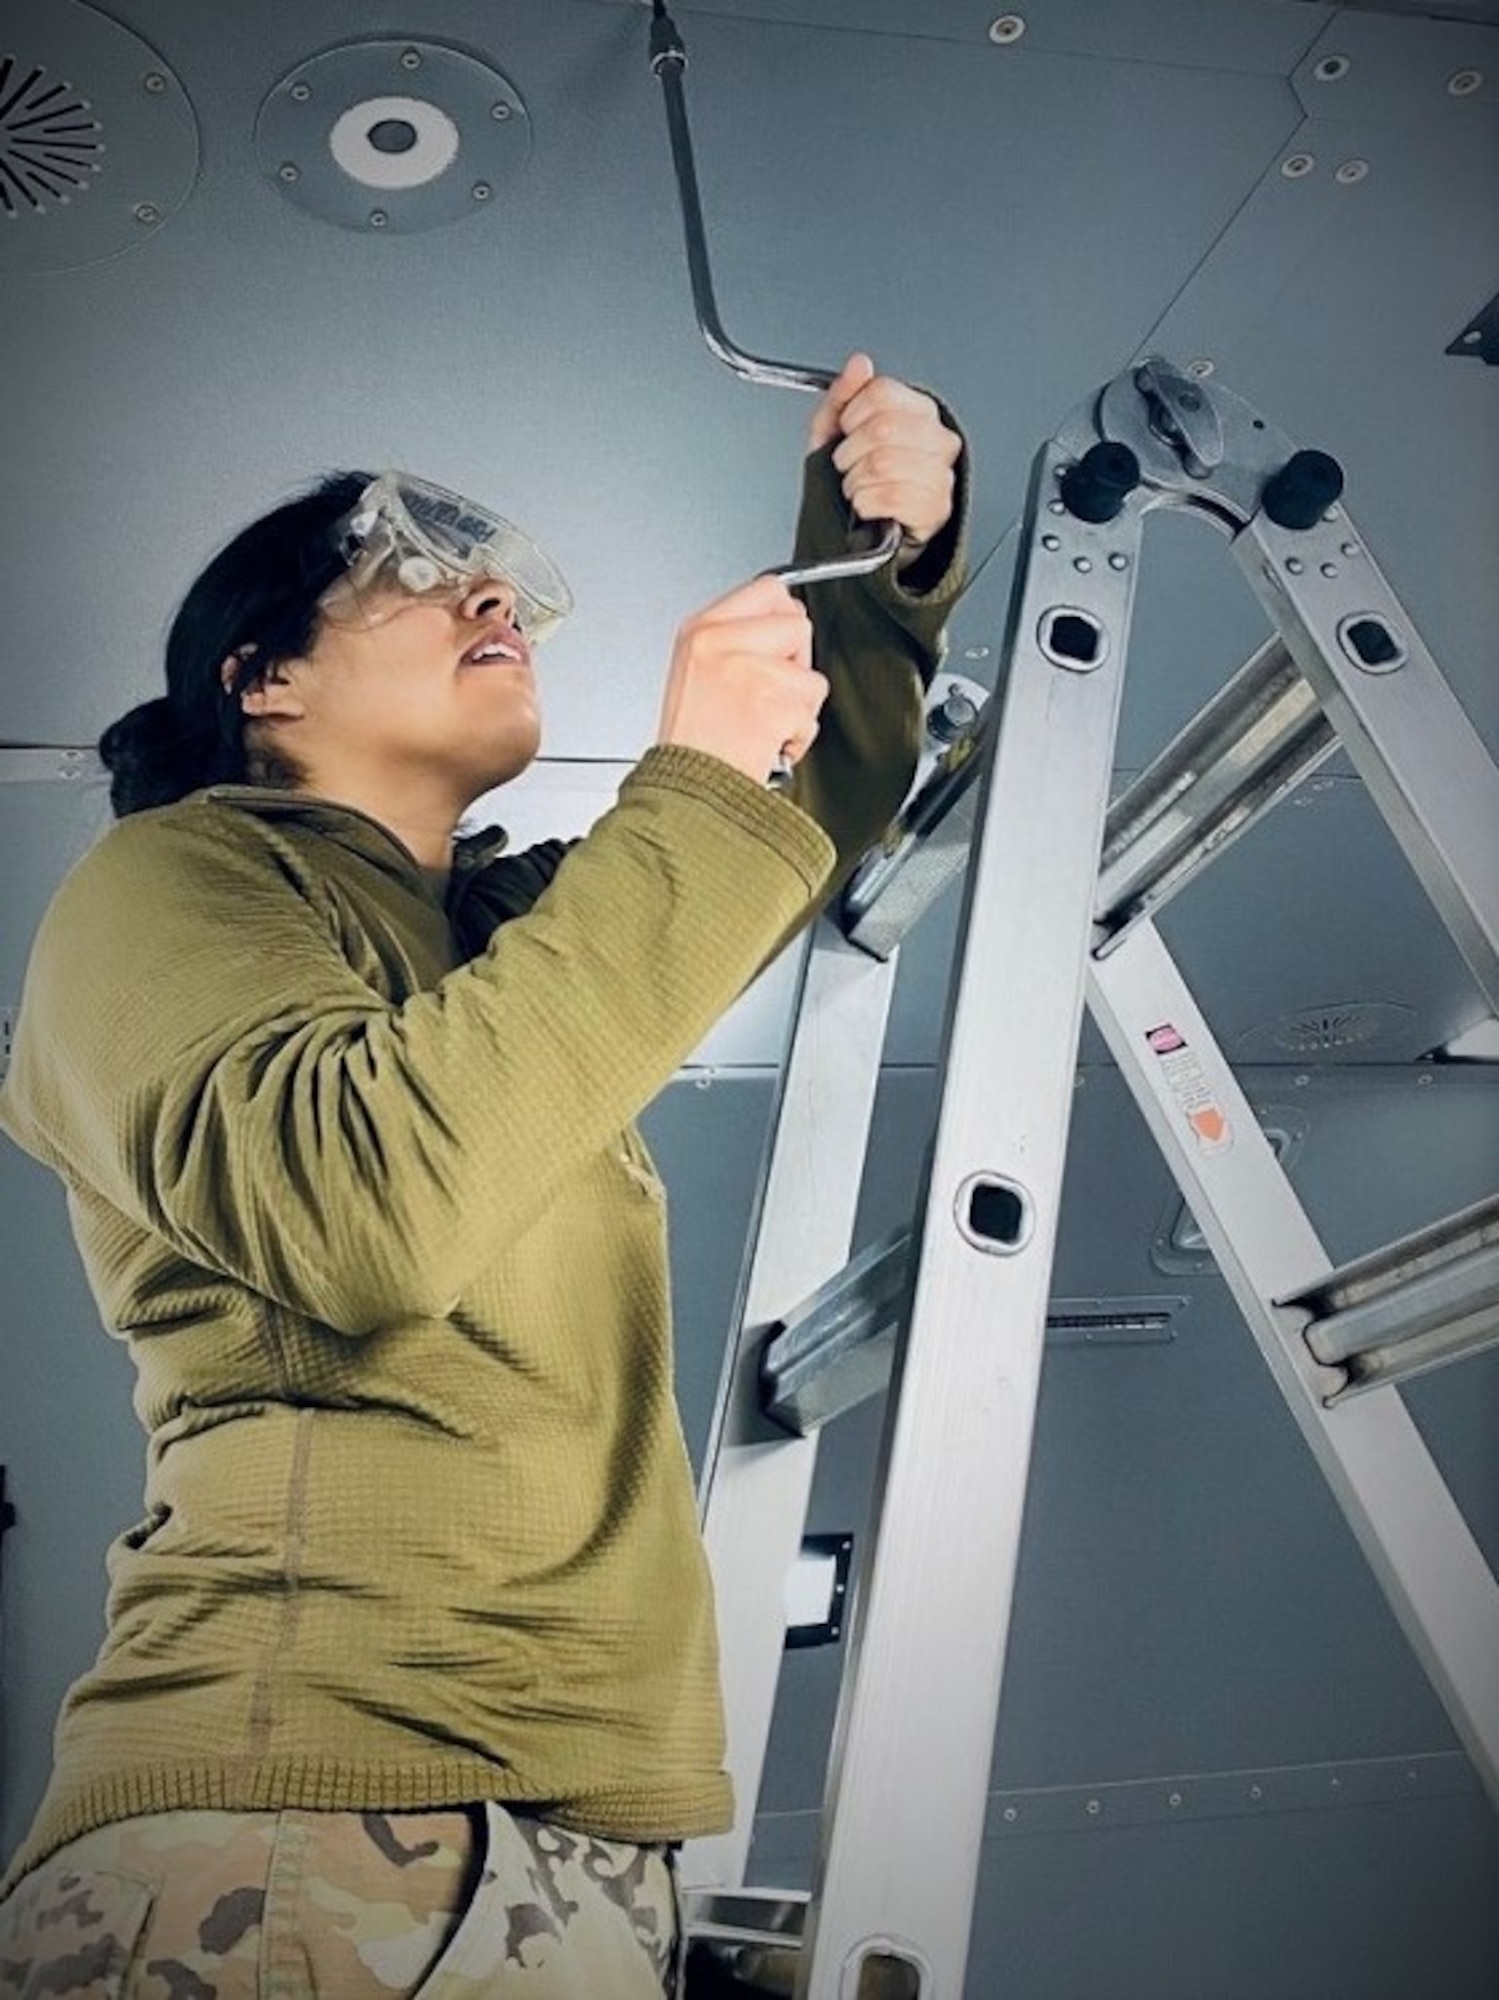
(508, 646)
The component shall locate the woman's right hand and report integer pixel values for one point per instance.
(742, 685)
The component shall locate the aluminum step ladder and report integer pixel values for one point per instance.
(1059, 904)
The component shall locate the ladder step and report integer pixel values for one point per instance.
(1258, 737)
(742, 1941)
(1430, 1298)
(837, 1349)
(925, 850)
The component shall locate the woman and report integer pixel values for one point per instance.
(410, 1681)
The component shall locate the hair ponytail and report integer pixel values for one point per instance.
(258, 598)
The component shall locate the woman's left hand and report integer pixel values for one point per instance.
(895, 453)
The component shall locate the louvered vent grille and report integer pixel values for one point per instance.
(51, 145)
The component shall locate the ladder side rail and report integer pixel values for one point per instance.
(757, 1480)
(1373, 1458)
(908, 1781)
(1405, 731)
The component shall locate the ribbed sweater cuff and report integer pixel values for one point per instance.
(793, 834)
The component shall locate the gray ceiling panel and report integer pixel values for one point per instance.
(543, 354)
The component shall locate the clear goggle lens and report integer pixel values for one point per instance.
(406, 535)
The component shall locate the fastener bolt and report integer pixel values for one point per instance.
(1202, 367)
(482, 191)
(1351, 172)
(378, 218)
(301, 92)
(1297, 165)
(500, 110)
(147, 211)
(289, 171)
(411, 59)
(1332, 69)
(1051, 541)
(1329, 569)
(1008, 28)
(1465, 82)
(1295, 565)
(154, 81)
(1118, 561)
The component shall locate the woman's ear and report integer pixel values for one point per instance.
(270, 692)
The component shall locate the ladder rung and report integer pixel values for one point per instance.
(836, 1350)
(925, 850)
(1432, 1297)
(1257, 738)
(750, 1938)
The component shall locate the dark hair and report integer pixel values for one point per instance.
(261, 591)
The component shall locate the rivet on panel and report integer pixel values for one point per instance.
(500, 110)
(1298, 165)
(1465, 82)
(147, 212)
(482, 191)
(1118, 560)
(1008, 28)
(378, 218)
(1052, 542)
(289, 171)
(411, 58)
(1351, 172)
(1332, 69)
(1295, 565)
(300, 92)
(1201, 366)
(154, 81)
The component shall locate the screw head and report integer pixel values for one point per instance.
(154, 81)
(1051, 541)
(1351, 172)
(1332, 69)
(300, 92)
(1008, 28)
(1118, 560)
(1295, 565)
(1464, 82)
(1201, 367)
(411, 59)
(501, 110)
(289, 171)
(379, 219)
(1297, 166)
(147, 212)
(482, 191)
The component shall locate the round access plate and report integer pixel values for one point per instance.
(393, 135)
(98, 142)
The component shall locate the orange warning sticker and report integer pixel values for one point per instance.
(1183, 1076)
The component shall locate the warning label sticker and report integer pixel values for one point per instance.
(1183, 1076)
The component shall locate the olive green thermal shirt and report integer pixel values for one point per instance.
(352, 1169)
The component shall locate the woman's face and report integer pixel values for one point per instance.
(438, 686)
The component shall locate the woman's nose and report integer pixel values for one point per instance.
(490, 598)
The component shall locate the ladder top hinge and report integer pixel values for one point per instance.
(1182, 414)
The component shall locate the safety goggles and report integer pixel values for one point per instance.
(404, 534)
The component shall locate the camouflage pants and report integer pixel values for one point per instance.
(457, 1905)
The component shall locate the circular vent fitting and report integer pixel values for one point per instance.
(1326, 1031)
(98, 143)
